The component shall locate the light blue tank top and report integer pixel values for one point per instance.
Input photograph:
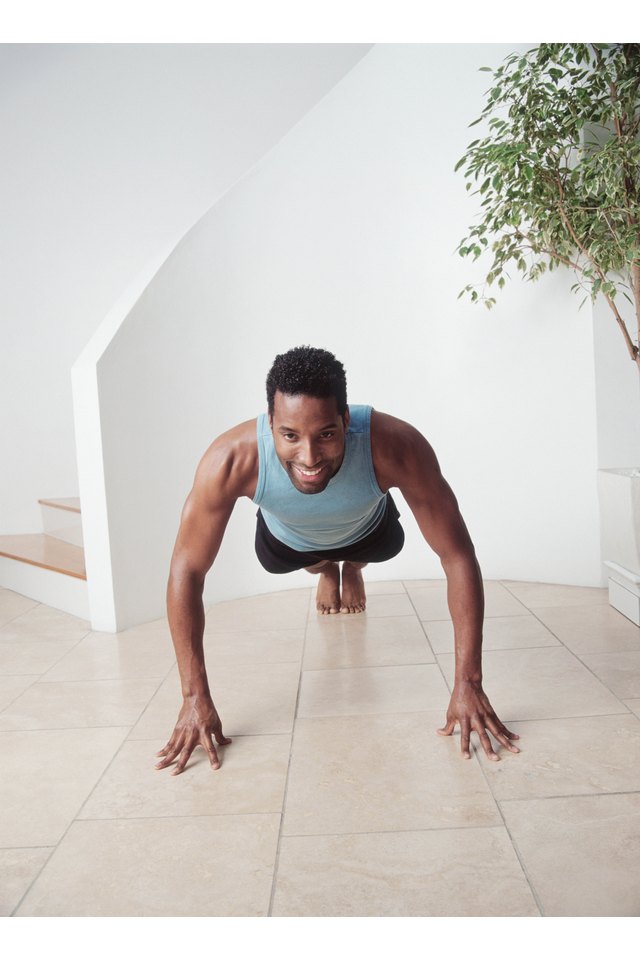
(349, 508)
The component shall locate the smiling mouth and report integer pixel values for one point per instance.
(307, 474)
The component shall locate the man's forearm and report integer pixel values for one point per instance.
(186, 620)
(465, 597)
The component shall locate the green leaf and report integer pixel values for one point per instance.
(551, 153)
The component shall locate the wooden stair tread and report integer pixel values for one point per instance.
(63, 503)
(43, 551)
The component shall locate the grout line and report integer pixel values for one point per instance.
(515, 849)
(570, 796)
(581, 662)
(36, 603)
(179, 816)
(276, 861)
(74, 819)
(374, 833)
(437, 663)
(519, 857)
(67, 829)
(160, 678)
(36, 678)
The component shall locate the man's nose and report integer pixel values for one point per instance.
(310, 453)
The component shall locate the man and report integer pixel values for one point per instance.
(321, 475)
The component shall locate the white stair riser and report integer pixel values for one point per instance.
(46, 586)
(62, 524)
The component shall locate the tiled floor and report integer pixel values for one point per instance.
(336, 797)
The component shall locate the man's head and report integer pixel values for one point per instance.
(309, 371)
(308, 414)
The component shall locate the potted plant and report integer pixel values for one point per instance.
(558, 174)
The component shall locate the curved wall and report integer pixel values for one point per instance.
(344, 237)
(110, 152)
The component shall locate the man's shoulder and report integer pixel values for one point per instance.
(231, 460)
(392, 430)
(397, 449)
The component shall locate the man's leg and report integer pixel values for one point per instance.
(330, 598)
(354, 599)
(328, 595)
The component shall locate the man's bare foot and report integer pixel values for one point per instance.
(354, 598)
(328, 595)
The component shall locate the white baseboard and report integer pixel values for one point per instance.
(46, 586)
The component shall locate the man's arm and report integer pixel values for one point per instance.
(403, 458)
(226, 472)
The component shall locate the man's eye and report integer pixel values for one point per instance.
(326, 436)
(289, 436)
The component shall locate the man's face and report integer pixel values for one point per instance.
(309, 439)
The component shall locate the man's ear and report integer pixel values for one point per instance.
(270, 415)
(347, 417)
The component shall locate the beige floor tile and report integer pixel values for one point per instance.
(378, 605)
(18, 870)
(540, 684)
(555, 594)
(94, 703)
(580, 853)
(12, 687)
(372, 690)
(251, 700)
(417, 585)
(633, 705)
(12, 605)
(45, 623)
(22, 657)
(334, 642)
(500, 633)
(285, 610)
(103, 656)
(153, 629)
(46, 777)
(590, 629)
(472, 872)
(253, 646)
(372, 774)
(430, 602)
(390, 605)
(429, 599)
(251, 780)
(192, 866)
(383, 587)
(620, 672)
(578, 755)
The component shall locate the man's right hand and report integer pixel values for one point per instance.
(197, 723)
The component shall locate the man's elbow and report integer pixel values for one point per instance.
(460, 556)
(184, 576)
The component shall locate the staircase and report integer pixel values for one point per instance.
(49, 566)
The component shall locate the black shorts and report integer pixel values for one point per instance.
(384, 542)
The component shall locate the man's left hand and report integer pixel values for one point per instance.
(469, 706)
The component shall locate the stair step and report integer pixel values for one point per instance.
(61, 518)
(44, 551)
(63, 503)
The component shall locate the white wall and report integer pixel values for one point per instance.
(344, 237)
(617, 388)
(110, 153)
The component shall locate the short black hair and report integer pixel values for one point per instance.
(309, 371)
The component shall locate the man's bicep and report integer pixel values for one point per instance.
(433, 502)
(221, 479)
(202, 526)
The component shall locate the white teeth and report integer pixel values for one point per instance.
(309, 473)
